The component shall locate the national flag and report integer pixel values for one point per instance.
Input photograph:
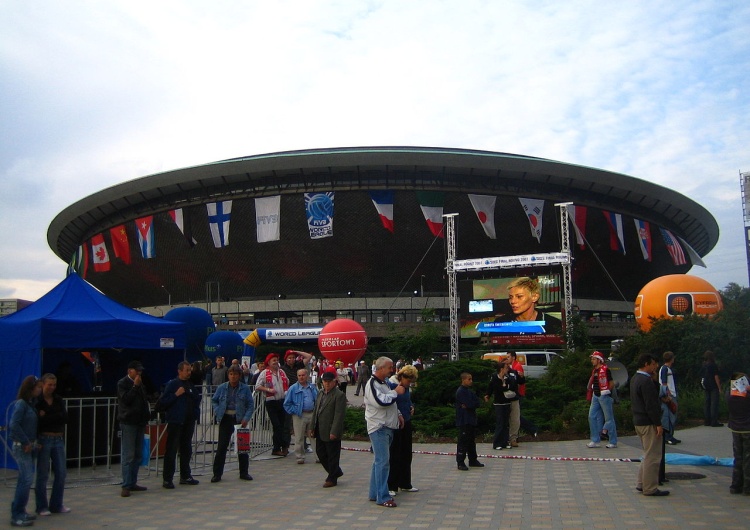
(616, 236)
(673, 246)
(268, 218)
(182, 219)
(383, 201)
(120, 244)
(577, 216)
(695, 258)
(100, 254)
(145, 229)
(534, 209)
(431, 203)
(484, 207)
(218, 220)
(644, 237)
(319, 212)
(79, 262)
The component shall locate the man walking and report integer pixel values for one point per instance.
(327, 427)
(363, 375)
(181, 401)
(668, 394)
(133, 414)
(233, 404)
(647, 420)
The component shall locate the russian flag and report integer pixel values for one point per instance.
(383, 201)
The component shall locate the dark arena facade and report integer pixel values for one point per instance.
(364, 271)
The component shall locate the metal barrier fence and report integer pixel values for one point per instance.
(92, 439)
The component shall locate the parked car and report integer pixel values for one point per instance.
(534, 363)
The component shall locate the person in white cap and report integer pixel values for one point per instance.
(601, 411)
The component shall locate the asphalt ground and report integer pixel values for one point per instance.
(537, 485)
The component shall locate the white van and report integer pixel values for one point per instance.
(534, 363)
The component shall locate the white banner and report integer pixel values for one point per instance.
(268, 218)
(511, 262)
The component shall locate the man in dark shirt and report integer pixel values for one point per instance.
(739, 422)
(646, 407)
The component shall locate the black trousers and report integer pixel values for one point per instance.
(467, 444)
(329, 454)
(400, 474)
(179, 439)
(226, 429)
(277, 415)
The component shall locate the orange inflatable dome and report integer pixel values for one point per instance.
(675, 296)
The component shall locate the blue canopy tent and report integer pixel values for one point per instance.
(74, 318)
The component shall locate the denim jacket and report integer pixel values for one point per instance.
(23, 423)
(294, 398)
(245, 403)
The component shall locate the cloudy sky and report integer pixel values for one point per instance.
(96, 93)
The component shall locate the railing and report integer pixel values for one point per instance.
(92, 439)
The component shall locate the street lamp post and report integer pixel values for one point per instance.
(169, 300)
(421, 286)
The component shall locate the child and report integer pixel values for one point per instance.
(467, 403)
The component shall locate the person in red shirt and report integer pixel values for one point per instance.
(517, 421)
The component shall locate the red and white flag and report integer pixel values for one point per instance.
(484, 207)
(534, 209)
(577, 216)
(99, 253)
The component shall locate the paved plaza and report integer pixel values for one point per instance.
(538, 485)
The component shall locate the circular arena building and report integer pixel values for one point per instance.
(315, 234)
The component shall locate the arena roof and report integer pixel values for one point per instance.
(394, 168)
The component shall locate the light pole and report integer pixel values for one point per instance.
(421, 286)
(169, 300)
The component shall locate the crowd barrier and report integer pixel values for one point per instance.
(92, 440)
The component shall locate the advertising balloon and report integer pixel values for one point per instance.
(198, 326)
(342, 340)
(674, 296)
(228, 344)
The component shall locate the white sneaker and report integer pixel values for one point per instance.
(611, 446)
(410, 489)
(391, 493)
(593, 445)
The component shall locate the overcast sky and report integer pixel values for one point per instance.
(96, 93)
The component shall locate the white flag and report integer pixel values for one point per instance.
(268, 218)
(484, 206)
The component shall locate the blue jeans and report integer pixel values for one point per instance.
(131, 453)
(53, 449)
(381, 447)
(602, 416)
(25, 463)
(711, 407)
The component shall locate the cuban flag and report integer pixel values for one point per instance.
(644, 237)
(616, 236)
(383, 201)
(145, 229)
(673, 246)
(484, 207)
(218, 220)
(534, 209)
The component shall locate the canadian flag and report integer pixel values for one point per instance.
(99, 253)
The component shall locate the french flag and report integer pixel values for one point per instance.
(383, 201)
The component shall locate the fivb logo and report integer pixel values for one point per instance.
(267, 219)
